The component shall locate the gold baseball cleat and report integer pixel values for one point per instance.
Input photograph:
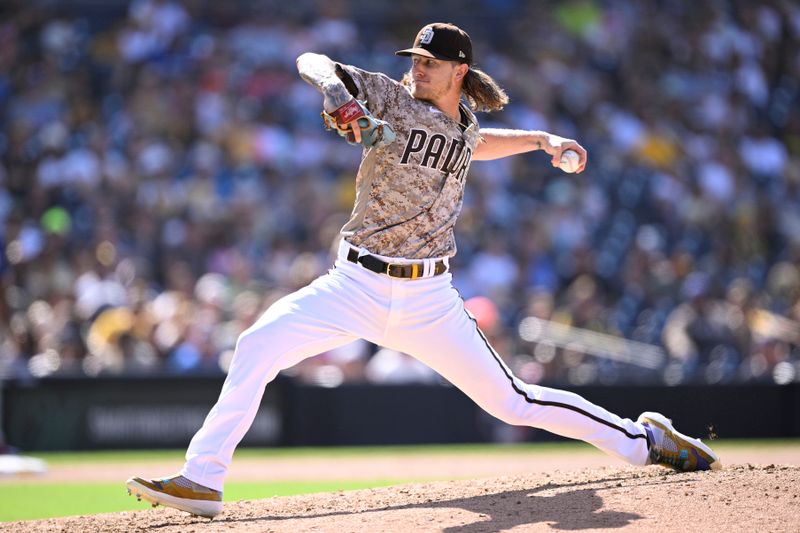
(672, 449)
(179, 493)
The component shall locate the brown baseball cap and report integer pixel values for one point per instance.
(442, 40)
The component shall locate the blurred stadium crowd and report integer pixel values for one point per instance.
(165, 176)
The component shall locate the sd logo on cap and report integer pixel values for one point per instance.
(442, 40)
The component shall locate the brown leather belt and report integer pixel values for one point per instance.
(394, 270)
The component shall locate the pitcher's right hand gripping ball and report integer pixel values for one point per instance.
(356, 124)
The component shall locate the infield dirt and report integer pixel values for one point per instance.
(742, 497)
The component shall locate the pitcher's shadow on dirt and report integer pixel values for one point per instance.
(572, 510)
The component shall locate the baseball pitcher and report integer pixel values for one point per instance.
(391, 283)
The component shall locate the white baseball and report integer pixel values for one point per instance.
(569, 161)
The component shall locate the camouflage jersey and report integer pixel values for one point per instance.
(409, 193)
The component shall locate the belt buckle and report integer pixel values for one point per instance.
(415, 270)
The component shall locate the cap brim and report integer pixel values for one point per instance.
(420, 52)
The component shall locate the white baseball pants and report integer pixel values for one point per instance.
(424, 318)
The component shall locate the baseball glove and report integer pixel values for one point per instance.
(374, 133)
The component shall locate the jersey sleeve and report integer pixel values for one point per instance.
(373, 87)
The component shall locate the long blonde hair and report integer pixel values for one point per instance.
(479, 89)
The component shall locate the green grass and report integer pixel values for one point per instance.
(47, 500)
(116, 456)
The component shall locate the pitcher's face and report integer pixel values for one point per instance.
(432, 79)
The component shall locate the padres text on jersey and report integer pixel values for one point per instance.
(450, 156)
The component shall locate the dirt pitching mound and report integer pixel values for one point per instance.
(739, 498)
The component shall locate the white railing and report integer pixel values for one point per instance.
(619, 349)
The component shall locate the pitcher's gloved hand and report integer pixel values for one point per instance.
(354, 122)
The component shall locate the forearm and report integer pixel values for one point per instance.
(320, 72)
(497, 143)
